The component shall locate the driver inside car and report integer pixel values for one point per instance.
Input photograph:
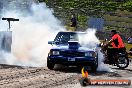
(117, 46)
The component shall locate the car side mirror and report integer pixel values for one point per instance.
(50, 42)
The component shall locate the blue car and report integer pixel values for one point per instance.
(67, 51)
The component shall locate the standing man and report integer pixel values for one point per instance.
(73, 21)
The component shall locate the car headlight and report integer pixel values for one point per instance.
(55, 53)
(90, 54)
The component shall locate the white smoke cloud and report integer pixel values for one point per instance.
(30, 36)
(101, 65)
(90, 41)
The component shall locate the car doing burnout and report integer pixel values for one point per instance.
(67, 51)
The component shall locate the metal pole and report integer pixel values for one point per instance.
(9, 25)
(9, 20)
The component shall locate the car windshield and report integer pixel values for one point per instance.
(64, 37)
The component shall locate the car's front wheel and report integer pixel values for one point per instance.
(93, 68)
(50, 65)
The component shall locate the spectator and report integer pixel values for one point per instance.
(129, 40)
(73, 21)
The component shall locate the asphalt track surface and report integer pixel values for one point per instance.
(65, 77)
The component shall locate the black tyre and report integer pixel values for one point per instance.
(94, 68)
(50, 65)
(122, 62)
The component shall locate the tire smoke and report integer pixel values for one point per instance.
(30, 36)
(90, 41)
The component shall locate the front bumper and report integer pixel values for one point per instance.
(85, 61)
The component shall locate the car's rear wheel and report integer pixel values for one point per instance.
(50, 65)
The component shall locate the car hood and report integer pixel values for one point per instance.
(65, 47)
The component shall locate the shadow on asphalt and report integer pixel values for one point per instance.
(5, 66)
(78, 70)
(126, 69)
(67, 69)
(75, 69)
